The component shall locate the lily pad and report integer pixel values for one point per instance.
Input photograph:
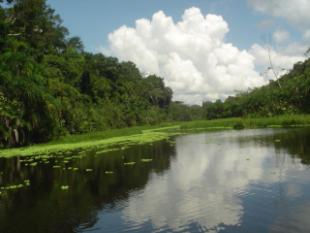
(64, 187)
(129, 163)
(13, 187)
(146, 160)
(27, 182)
(33, 164)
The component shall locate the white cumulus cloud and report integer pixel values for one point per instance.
(202, 184)
(191, 55)
(281, 61)
(306, 35)
(280, 36)
(294, 11)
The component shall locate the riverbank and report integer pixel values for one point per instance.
(121, 138)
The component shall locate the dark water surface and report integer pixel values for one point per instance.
(252, 181)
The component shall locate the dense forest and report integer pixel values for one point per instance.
(50, 86)
(290, 94)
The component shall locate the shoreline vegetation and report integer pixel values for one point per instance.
(119, 139)
(50, 86)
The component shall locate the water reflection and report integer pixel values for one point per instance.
(45, 207)
(209, 179)
(237, 181)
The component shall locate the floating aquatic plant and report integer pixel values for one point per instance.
(34, 164)
(146, 160)
(89, 170)
(86, 145)
(56, 166)
(64, 187)
(12, 187)
(109, 172)
(27, 182)
(129, 163)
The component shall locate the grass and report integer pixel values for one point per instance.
(104, 145)
(94, 136)
(122, 138)
(262, 122)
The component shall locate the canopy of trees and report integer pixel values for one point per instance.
(291, 97)
(49, 86)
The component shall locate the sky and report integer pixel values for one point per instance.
(203, 49)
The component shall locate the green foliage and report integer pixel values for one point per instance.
(179, 111)
(238, 125)
(50, 87)
(271, 100)
(115, 139)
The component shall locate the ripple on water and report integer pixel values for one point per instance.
(237, 181)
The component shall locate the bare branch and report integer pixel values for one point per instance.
(272, 68)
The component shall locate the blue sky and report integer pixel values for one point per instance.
(94, 20)
(210, 49)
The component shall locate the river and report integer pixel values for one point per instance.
(231, 181)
